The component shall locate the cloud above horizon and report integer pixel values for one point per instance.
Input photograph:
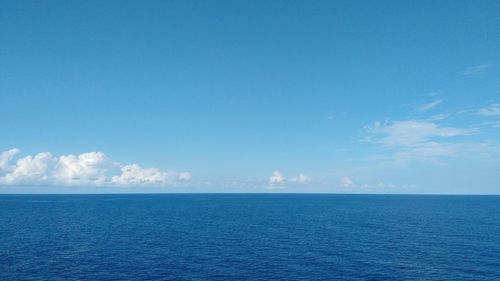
(86, 169)
(277, 178)
(346, 182)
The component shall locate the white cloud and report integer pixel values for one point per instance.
(276, 178)
(136, 175)
(300, 178)
(91, 168)
(184, 176)
(385, 185)
(30, 170)
(6, 156)
(476, 69)
(429, 151)
(346, 182)
(430, 105)
(494, 124)
(412, 132)
(490, 110)
(439, 117)
(420, 140)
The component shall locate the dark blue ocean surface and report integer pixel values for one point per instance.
(256, 237)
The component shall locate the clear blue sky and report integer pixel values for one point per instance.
(250, 96)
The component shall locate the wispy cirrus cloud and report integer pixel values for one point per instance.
(439, 117)
(409, 133)
(476, 69)
(414, 139)
(490, 110)
(430, 105)
(494, 124)
(86, 169)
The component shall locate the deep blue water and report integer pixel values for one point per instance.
(256, 237)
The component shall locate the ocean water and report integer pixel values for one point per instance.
(249, 237)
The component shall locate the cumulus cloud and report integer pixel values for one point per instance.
(184, 176)
(490, 110)
(91, 168)
(136, 175)
(30, 169)
(300, 178)
(6, 156)
(276, 178)
(346, 182)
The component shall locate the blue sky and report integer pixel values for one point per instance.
(250, 96)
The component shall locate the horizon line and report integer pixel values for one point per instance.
(254, 193)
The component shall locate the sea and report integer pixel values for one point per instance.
(249, 237)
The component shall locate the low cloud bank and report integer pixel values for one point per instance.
(89, 169)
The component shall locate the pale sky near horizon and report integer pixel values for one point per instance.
(250, 96)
